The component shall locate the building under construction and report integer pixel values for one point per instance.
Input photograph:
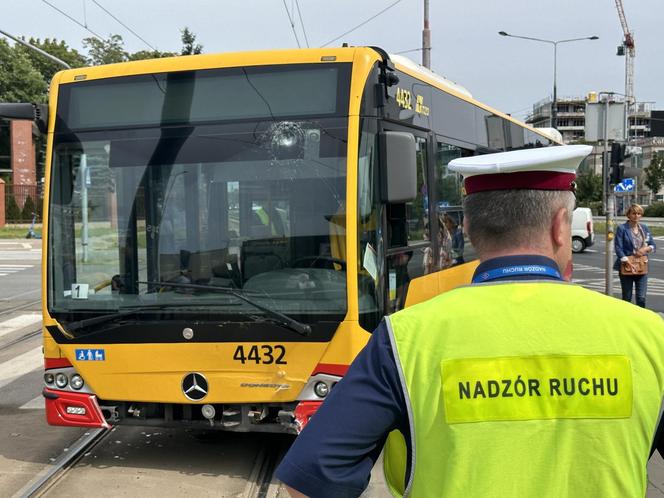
(571, 118)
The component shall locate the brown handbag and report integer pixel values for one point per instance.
(639, 263)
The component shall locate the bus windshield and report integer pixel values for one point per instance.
(193, 188)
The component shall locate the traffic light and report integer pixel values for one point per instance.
(617, 158)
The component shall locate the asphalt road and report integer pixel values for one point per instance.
(589, 271)
(20, 272)
(127, 463)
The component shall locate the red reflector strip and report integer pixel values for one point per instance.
(56, 363)
(86, 411)
(304, 411)
(331, 369)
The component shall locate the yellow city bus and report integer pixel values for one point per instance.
(223, 232)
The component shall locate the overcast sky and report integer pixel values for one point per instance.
(506, 73)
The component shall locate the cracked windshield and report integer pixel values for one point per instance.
(210, 183)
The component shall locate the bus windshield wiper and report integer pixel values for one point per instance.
(108, 317)
(275, 316)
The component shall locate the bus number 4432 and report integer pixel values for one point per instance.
(261, 354)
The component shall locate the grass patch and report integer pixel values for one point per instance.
(600, 228)
(13, 232)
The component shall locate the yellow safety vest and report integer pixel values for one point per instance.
(526, 389)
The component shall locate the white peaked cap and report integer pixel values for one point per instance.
(542, 168)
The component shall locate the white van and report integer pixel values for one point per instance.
(583, 234)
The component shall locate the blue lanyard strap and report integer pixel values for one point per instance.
(516, 270)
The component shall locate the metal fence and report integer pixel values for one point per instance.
(22, 202)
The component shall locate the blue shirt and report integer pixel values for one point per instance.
(334, 454)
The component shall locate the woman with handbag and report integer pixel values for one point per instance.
(633, 242)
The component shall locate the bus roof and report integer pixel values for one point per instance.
(267, 57)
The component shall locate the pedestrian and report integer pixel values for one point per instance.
(633, 243)
(456, 234)
(519, 385)
(444, 249)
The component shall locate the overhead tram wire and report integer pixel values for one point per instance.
(100, 38)
(290, 19)
(124, 25)
(408, 51)
(297, 4)
(362, 23)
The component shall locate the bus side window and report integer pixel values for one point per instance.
(407, 227)
(448, 195)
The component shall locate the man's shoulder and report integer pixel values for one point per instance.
(600, 304)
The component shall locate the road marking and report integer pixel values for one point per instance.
(21, 365)
(655, 285)
(19, 322)
(38, 403)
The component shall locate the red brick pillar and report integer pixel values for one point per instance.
(2, 203)
(24, 168)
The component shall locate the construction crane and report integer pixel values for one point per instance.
(627, 49)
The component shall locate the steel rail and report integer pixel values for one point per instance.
(18, 340)
(260, 482)
(19, 307)
(50, 476)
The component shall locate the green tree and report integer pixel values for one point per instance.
(28, 210)
(189, 45)
(149, 54)
(12, 211)
(55, 48)
(19, 80)
(106, 51)
(588, 188)
(654, 173)
(450, 190)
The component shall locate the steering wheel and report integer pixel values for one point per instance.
(327, 262)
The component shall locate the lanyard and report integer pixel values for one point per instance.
(516, 270)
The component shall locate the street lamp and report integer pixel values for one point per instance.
(555, 57)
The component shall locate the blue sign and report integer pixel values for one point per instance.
(90, 355)
(627, 185)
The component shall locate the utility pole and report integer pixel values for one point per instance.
(609, 200)
(554, 101)
(426, 38)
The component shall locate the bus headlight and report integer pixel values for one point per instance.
(61, 380)
(49, 378)
(321, 389)
(76, 381)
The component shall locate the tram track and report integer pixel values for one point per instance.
(55, 472)
(20, 307)
(260, 482)
(62, 474)
(23, 338)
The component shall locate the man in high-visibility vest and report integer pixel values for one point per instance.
(519, 385)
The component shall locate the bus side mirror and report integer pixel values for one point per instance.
(34, 112)
(398, 167)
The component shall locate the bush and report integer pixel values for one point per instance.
(656, 209)
(596, 207)
(28, 209)
(12, 211)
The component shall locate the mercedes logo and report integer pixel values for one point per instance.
(195, 386)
